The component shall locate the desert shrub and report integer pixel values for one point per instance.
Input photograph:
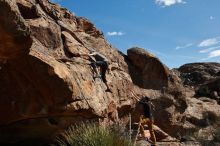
(211, 118)
(92, 135)
(203, 91)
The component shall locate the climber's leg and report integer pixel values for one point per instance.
(152, 135)
(94, 67)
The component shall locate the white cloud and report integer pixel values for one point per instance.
(157, 52)
(209, 42)
(209, 49)
(185, 46)
(115, 33)
(211, 17)
(186, 57)
(166, 3)
(215, 53)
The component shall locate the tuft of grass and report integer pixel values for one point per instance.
(92, 135)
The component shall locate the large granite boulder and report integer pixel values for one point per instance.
(154, 74)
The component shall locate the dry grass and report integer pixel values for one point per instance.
(92, 135)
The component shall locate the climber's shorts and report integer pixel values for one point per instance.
(145, 120)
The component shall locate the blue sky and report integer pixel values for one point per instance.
(176, 31)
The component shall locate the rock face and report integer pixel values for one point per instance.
(199, 73)
(202, 85)
(45, 87)
(153, 74)
(204, 77)
(15, 35)
(210, 89)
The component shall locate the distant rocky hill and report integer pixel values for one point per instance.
(199, 73)
(44, 87)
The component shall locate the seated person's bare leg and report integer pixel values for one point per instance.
(152, 135)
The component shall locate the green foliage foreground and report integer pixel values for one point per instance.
(93, 135)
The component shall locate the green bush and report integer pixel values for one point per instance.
(203, 91)
(92, 135)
